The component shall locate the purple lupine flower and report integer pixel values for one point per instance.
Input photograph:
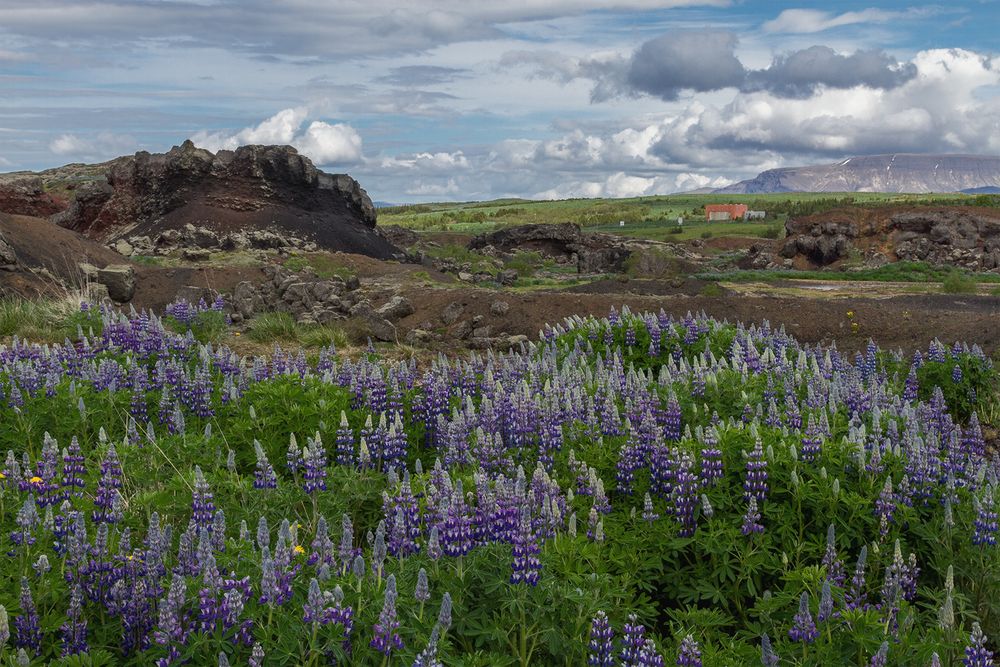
(956, 374)
(881, 657)
(649, 656)
(885, 506)
(812, 442)
(314, 464)
(107, 488)
(633, 639)
(422, 592)
(256, 656)
(648, 513)
(755, 484)
(684, 495)
(312, 610)
(264, 476)
(751, 520)
(976, 653)
(444, 615)
(600, 648)
(526, 566)
(935, 660)
(803, 627)
(27, 628)
(672, 420)
(834, 565)
(985, 524)
(855, 597)
(825, 603)
(202, 502)
(689, 654)
(345, 441)
(386, 639)
(74, 630)
(768, 657)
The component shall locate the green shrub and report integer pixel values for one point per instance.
(270, 327)
(322, 336)
(712, 290)
(706, 234)
(958, 283)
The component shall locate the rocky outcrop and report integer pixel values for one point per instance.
(26, 195)
(8, 258)
(308, 298)
(120, 281)
(565, 242)
(260, 188)
(959, 236)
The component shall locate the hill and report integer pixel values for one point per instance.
(897, 172)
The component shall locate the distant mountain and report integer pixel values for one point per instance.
(898, 172)
(988, 190)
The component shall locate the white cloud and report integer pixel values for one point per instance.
(618, 184)
(425, 189)
(816, 20)
(441, 161)
(103, 146)
(69, 144)
(321, 142)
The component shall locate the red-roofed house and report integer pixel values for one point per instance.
(715, 212)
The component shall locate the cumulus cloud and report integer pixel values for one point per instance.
(704, 61)
(800, 73)
(322, 142)
(699, 61)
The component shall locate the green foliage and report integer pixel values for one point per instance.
(271, 327)
(712, 290)
(208, 326)
(957, 282)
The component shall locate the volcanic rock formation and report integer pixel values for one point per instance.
(959, 235)
(264, 188)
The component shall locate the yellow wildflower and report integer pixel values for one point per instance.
(298, 549)
(35, 480)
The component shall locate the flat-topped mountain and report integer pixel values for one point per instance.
(897, 172)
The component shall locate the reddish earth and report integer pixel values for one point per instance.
(907, 323)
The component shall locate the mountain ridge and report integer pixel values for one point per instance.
(890, 172)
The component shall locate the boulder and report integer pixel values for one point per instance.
(8, 258)
(246, 299)
(123, 247)
(463, 330)
(196, 254)
(507, 277)
(499, 308)
(419, 337)
(397, 308)
(120, 281)
(451, 313)
(372, 323)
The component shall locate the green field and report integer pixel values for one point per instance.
(661, 211)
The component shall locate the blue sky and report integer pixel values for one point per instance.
(474, 99)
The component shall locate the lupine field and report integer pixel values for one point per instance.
(634, 490)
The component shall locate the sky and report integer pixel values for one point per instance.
(481, 99)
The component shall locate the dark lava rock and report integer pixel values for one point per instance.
(253, 187)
